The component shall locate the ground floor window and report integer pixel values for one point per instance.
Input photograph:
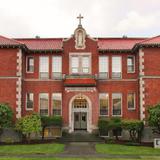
(103, 104)
(44, 103)
(56, 104)
(117, 104)
(131, 101)
(29, 101)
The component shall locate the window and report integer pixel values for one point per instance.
(30, 64)
(117, 104)
(43, 97)
(56, 104)
(80, 64)
(103, 102)
(57, 67)
(44, 67)
(103, 67)
(131, 101)
(117, 132)
(116, 67)
(130, 64)
(29, 101)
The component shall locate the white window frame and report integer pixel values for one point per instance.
(121, 105)
(80, 57)
(45, 72)
(134, 100)
(133, 63)
(48, 102)
(29, 109)
(52, 103)
(57, 78)
(99, 105)
(28, 64)
(121, 68)
(106, 65)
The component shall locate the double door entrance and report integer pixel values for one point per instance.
(80, 120)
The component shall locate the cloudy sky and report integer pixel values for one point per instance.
(57, 18)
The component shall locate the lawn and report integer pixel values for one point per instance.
(126, 150)
(32, 149)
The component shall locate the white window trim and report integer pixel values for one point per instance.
(121, 68)
(134, 101)
(27, 64)
(29, 109)
(99, 66)
(52, 103)
(39, 103)
(48, 67)
(108, 105)
(133, 63)
(80, 54)
(121, 105)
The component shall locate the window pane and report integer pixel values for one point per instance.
(85, 64)
(57, 67)
(44, 67)
(131, 101)
(116, 101)
(57, 103)
(116, 67)
(103, 67)
(43, 104)
(29, 100)
(30, 64)
(103, 101)
(75, 64)
(130, 64)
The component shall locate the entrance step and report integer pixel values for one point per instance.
(81, 136)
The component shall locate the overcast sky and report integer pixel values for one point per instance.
(57, 18)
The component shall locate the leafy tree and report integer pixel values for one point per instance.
(6, 116)
(47, 121)
(154, 118)
(29, 124)
(135, 128)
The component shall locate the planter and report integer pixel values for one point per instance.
(53, 132)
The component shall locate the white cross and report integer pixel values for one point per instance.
(80, 18)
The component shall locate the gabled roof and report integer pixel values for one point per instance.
(42, 44)
(8, 42)
(151, 41)
(118, 43)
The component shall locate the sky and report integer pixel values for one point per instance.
(57, 18)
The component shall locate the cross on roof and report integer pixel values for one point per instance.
(80, 18)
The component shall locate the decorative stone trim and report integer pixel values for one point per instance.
(19, 84)
(142, 84)
(80, 89)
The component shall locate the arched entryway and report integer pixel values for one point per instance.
(80, 113)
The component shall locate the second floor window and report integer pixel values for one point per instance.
(29, 101)
(103, 67)
(44, 67)
(43, 104)
(116, 67)
(30, 64)
(57, 67)
(130, 64)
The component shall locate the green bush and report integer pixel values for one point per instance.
(154, 118)
(6, 116)
(135, 128)
(103, 127)
(28, 125)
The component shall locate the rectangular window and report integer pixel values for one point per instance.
(130, 64)
(75, 64)
(104, 104)
(116, 67)
(117, 104)
(103, 67)
(85, 64)
(29, 101)
(30, 64)
(44, 67)
(56, 104)
(131, 101)
(57, 67)
(44, 103)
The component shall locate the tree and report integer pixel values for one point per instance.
(29, 124)
(6, 116)
(135, 128)
(154, 118)
(47, 121)
(103, 127)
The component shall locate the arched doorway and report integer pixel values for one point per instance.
(80, 113)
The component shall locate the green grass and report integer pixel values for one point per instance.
(126, 150)
(32, 149)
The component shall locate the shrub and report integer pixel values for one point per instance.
(29, 124)
(6, 116)
(103, 127)
(135, 128)
(154, 118)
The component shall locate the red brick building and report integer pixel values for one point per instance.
(80, 78)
